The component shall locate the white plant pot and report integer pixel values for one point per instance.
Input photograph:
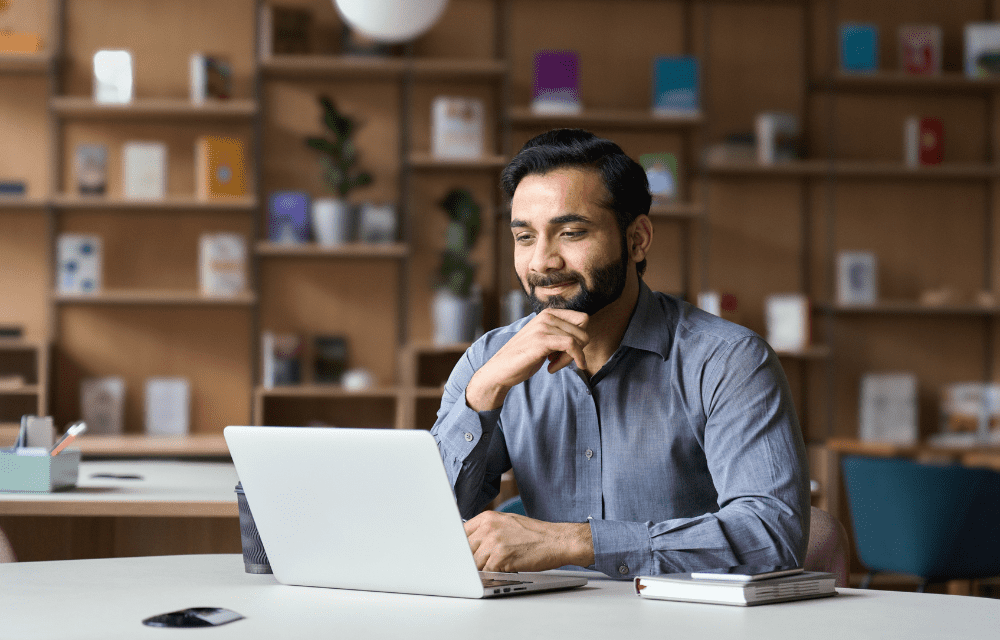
(455, 318)
(332, 221)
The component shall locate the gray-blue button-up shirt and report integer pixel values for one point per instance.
(683, 451)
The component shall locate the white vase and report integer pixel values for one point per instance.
(332, 221)
(455, 318)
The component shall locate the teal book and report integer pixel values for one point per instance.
(676, 88)
(858, 47)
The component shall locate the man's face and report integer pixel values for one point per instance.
(568, 251)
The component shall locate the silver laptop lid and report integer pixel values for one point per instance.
(366, 509)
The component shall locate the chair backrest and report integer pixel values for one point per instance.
(513, 505)
(828, 546)
(938, 522)
(6, 552)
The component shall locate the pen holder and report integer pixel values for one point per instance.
(254, 556)
(33, 470)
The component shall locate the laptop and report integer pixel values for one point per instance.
(365, 509)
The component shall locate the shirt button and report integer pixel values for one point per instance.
(589, 454)
(469, 437)
(623, 569)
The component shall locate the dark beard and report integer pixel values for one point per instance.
(609, 282)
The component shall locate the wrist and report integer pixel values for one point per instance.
(579, 544)
(483, 395)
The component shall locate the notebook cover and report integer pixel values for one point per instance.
(221, 170)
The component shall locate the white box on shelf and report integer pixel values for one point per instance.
(113, 77)
(710, 301)
(982, 49)
(79, 263)
(888, 411)
(377, 223)
(168, 406)
(788, 322)
(777, 136)
(144, 166)
(222, 264)
(102, 405)
(457, 127)
(857, 278)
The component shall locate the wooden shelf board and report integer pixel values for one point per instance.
(141, 445)
(18, 202)
(420, 347)
(394, 251)
(22, 390)
(814, 352)
(322, 66)
(432, 393)
(897, 81)
(797, 168)
(327, 391)
(855, 169)
(153, 297)
(170, 203)
(25, 62)
(617, 118)
(677, 210)
(427, 161)
(80, 107)
(448, 68)
(906, 307)
(19, 344)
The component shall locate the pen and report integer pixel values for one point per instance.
(74, 430)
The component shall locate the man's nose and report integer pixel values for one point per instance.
(545, 256)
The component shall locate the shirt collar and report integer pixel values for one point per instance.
(650, 328)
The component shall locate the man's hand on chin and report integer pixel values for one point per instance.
(511, 542)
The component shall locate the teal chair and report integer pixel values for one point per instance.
(935, 522)
(513, 505)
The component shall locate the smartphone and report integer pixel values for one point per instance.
(745, 573)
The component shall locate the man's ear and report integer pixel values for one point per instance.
(639, 237)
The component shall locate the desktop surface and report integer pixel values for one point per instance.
(109, 598)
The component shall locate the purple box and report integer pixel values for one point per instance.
(557, 82)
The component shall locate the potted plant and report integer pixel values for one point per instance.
(457, 305)
(331, 217)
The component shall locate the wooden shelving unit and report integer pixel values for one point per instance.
(428, 162)
(22, 63)
(617, 118)
(394, 251)
(66, 201)
(24, 379)
(153, 297)
(142, 109)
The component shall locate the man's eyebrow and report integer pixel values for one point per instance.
(563, 219)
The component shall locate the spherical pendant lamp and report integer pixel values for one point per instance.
(390, 21)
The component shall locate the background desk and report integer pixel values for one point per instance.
(108, 599)
(177, 507)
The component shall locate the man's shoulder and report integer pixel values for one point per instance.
(697, 328)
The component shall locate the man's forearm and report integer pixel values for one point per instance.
(482, 394)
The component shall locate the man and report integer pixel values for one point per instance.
(658, 438)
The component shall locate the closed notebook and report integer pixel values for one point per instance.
(220, 168)
(682, 587)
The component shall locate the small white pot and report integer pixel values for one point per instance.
(332, 221)
(455, 318)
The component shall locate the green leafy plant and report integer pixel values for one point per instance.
(456, 272)
(338, 153)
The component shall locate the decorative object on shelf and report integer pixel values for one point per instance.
(168, 406)
(220, 168)
(144, 170)
(515, 306)
(377, 223)
(102, 405)
(79, 263)
(20, 42)
(924, 141)
(920, 49)
(281, 359)
(333, 221)
(391, 21)
(91, 169)
(329, 359)
(11, 332)
(288, 217)
(358, 379)
(858, 47)
(857, 278)
(982, 49)
(556, 83)
(661, 171)
(787, 318)
(13, 188)
(457, 127)
(970, 414)
(455, 305)
(710, 301)
(676, 86)
(113, 77)
(889, 408)
(211, 78)
(284, 30)
(778, 137)
(737, 147)
(937, 297)
(222, 261)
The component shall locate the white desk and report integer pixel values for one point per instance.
(176, 507)
(108, 599)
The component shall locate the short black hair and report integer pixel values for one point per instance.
(624, 179)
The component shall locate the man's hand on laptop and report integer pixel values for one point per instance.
(510, 542)
(556, 335)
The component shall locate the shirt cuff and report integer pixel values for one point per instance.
(464, 428)
(621, 549)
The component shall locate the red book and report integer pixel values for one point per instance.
(931, 141)
(920, 48)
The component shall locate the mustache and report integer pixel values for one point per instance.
(559, 277)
